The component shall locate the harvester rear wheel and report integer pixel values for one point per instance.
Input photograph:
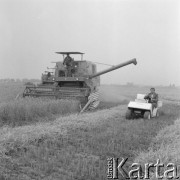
(129, 114)
(147, 115)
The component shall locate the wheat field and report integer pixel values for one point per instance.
(69, 147)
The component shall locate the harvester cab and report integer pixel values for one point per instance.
(77, 73)
(72, 79)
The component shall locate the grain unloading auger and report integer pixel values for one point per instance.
(77, 81)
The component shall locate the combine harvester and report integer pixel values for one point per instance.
(80, 84)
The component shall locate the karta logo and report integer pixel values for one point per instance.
(117, 168)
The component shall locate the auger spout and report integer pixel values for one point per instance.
(132, 61)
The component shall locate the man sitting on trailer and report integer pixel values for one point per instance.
(69, 62)
(152, 98)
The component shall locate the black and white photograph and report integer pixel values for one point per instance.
(89, 89)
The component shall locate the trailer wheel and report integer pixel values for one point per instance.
(129, 114)
(147, 115)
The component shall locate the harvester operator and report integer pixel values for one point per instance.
(152, 98)
(69, 63)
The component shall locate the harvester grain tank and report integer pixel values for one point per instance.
(83, 79)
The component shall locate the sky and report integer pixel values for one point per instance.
(107, 31)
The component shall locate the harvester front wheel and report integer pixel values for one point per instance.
(129, 114)
(147, 115)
